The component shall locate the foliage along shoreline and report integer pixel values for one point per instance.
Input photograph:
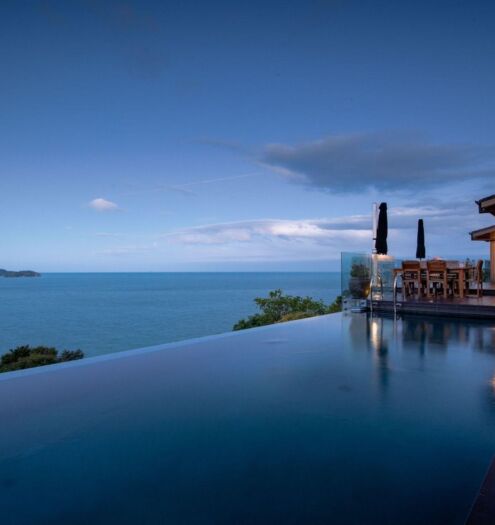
(280, 308)
(23, 357)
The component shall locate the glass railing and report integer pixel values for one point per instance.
(382, 288)
(355, 278)
(365, 276)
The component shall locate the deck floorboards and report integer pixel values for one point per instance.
(471, 306)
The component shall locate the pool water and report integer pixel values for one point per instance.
(338, 419)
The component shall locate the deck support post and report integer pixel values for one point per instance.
(492, 259)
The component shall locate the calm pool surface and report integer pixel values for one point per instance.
(327, 420)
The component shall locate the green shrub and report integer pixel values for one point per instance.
(28, 357)
(277, 308)
(70, 355)
(336, 306)
(294, 316)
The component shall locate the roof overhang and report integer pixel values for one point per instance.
(487, 205)
(485, 234)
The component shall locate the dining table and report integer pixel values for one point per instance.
(458, 268)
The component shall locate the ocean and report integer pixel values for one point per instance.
(101, 313)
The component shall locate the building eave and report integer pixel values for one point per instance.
(484, 234)
(486, 205)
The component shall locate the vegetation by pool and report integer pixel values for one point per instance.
(26, 356)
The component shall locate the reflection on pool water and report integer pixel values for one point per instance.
(327, 420)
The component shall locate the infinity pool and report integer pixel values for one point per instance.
(344, 420)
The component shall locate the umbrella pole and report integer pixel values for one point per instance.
(374, 218)
(374, 265)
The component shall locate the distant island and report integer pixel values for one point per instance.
(22, 273)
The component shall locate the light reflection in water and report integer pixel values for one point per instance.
(428, 338)
(379, 329)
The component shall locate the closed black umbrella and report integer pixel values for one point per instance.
(420, 249)
(382, 231)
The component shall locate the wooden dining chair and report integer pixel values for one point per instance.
(475, 276)
(436, 276)
(454, 280)
(411, 278)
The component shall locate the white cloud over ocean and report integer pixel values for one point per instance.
(100, 204)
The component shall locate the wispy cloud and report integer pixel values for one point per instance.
(110, 235)
(228, 145)
(244, 231)
(186, 187)
(383, 161)
(129, 250)
(265, 240)
(217, 179)
(102, 205)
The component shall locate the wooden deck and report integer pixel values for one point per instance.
(471, 306)
(483, 511)
(488, 288)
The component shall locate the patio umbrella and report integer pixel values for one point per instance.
(420, 249)
(382, 231)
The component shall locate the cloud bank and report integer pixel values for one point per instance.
(303, 240)
(325, 238)
(272, 229)
(381, 161)
(322, 231)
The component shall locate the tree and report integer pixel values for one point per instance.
(277, 308)
(28, 357)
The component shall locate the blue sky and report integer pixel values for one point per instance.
(148, 136)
